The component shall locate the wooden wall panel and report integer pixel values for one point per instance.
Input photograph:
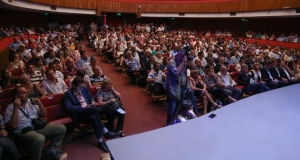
(131, 5)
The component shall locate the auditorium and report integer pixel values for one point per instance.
(149, 79)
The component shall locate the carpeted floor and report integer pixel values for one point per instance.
(143, 114)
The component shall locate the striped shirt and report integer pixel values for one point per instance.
(36, 78)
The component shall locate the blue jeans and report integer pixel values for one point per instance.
(235, 92)
(173, 103)
(257, 87)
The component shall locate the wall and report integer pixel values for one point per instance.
(174, 6)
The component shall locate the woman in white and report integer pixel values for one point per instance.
(118, 55)
(256, 74)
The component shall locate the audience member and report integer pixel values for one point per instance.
(53, 66)
(212, 82)
(34, 90)
(199, 88)
(7, 80)
(7, 147)
(82, 60)
(52, 85)
(70, 70)
(26, 134)
(105, 97)
(80, 103)
(228, 83)
(36, 77)
(250, 85)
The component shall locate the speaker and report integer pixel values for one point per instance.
(232, 13)
(298, 10)
(181, 14)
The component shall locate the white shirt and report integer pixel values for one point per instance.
(50, 88)
(58, 74)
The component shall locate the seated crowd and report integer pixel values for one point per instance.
(220, 71)
(49, 67)
(281, 38)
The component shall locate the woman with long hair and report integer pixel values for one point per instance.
(199, 88)
(7, 80)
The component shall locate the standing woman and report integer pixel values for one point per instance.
(199, 88)
(104, 97)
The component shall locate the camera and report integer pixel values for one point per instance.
(31, 100)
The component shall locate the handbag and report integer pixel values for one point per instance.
(38, 123)
(115, 105)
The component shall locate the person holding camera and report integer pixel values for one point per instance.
(22, 116)
(177, 85)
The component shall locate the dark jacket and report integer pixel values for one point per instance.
(72, 103)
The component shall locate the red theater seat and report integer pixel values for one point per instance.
(67, 81)
(17, 72)
(5, 93)
(52, 100)
(4, 104)
(93, 90)
(56, 111)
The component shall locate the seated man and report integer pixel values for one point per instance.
(71, 69)
(97, 78)
(133, 66)
(274, 70)
(82, 60)
(53, 66)
(36, 77)
(228, 83)
(199, 66)
(155, 79)
(266, 75)
(88, 67)
(53, 85)
(250, 85)
(51, 57)
(17, 118)
(79, 101)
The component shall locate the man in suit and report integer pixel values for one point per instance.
(276, 73)
(228, 83)
(267, 77)
(150, 64)
(79, 101)
(285, 74)
(250, 85)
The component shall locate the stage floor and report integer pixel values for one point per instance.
(261, 127)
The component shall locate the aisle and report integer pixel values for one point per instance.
(142, 114)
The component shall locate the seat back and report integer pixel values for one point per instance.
(232, 68)
(52, 100)
(93, 90)
(17, 72)
(67, 81)
(6, 93)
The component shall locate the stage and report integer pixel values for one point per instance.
(261, 127)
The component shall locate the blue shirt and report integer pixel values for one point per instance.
(134, 64)
(80, 62)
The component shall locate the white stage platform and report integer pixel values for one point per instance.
(260, 127)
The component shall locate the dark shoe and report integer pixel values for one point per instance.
(121, 134)
(103, 147)
(110, 134)
(220, 105)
